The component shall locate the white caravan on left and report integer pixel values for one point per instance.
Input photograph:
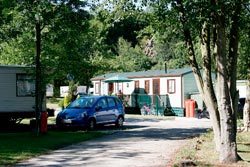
(17, 93)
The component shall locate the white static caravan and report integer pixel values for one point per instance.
(178, 84)
(17, 90)
(241, 87)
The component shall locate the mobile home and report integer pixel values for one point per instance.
(17, 93)
(175, 84)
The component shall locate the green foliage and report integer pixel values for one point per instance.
(130, 58)
(61, 103)
(67, 100)
(87, 43)
(243, 70)
(71, 94)
(169, 33)
(122, 19)
(63, 29)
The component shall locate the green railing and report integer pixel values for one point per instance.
(148, 104)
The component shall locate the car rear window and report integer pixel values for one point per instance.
(111, 102)
(118, 101)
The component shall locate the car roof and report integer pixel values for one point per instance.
(97, 96)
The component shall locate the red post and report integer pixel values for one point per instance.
(187, 102)
(44, 119)
(192, 107)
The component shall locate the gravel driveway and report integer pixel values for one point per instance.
(144, 143)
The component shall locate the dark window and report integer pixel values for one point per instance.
(111, 88)
(156, 86)
(147, 86)
(171, 86)
(25, 85)
(136, 86)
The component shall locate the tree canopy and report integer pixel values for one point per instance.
(79, 36)
(87, 39)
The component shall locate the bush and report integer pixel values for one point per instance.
(67, 100)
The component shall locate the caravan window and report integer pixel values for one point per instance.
(25, 85)
(97, 88)
(171, 86)
(147, 86)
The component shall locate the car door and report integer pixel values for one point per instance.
(101, 110)
(113, 112)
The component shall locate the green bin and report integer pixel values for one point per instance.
(180, 112)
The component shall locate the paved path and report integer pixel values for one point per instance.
(144, 143)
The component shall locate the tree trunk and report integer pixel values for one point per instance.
(205, 87)
(232, 60)
(208, 94)
(228, 147)
(38, 78)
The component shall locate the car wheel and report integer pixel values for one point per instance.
(91, 124)
(119, 122)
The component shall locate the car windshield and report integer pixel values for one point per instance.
(82, 103)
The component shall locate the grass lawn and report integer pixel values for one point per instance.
(201, 151)
(18, 146)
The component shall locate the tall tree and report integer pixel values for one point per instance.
(40, 20)
(218, 23)
(63, 24)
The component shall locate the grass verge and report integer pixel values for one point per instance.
(16, 147)
(201, 151)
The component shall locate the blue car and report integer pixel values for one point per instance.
(89, 111)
